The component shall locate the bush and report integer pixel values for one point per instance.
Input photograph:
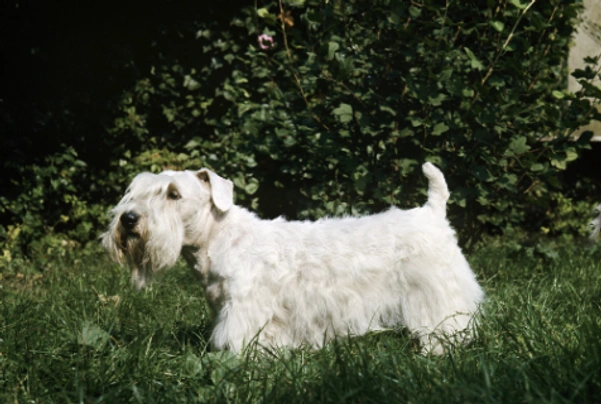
(50, 215)
(335, 110)
(336, 115)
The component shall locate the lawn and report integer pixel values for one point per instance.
(73, 330)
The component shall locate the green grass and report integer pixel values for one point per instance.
(79, 333)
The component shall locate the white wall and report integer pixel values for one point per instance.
(587, 42)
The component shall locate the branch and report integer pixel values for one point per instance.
(298, 83)
(509, 38)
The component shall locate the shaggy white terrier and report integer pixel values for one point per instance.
(294, 283)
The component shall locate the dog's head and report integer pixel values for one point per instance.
(161, 213)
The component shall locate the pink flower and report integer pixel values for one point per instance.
(265, 41)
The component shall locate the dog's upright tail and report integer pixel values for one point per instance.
(438, 192)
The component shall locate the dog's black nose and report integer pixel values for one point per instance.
(129, 219)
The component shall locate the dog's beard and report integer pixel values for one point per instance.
(141, 267)
(145, 253)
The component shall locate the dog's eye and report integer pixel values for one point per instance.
(173, 195)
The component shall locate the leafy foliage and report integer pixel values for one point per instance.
(339, 113)
(335, 114)
(50, 204)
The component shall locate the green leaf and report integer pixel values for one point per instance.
(406, 132)
(558, 94)
(559, 163)
(518, 4)
(190, 83)
(386, 108)
(269, 18)
(469, 53)
(440, 128)
(571, 155)
(332, 48)
(518, 146)
(263, 13)
(460, 196)
(252, 186)
(508, 181)
(587, 73)
(415, 12)
(344, 112)
(591, 89)
(474, 62)
(497, 25)
(537, 167)
(561, 160)
(496, 82)
(482, 174)
(294, 3)
(289, 141)
(415, 121)
(437, 100)
(394, 18)
(244, 108)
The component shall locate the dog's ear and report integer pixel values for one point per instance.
(222, 190)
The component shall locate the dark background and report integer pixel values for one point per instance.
(64, 64)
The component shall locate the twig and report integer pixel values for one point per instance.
(298, 83)
(509, 38)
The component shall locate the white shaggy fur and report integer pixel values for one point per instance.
(295, 283)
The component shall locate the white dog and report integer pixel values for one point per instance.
(295, 283)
